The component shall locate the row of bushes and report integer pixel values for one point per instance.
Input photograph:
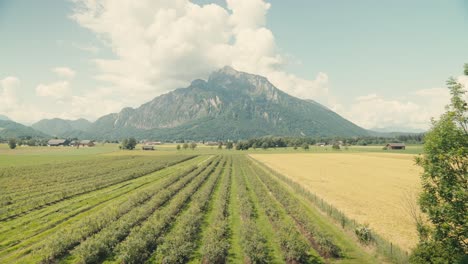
(62, 187)
(293, 244)
(59, 243)
(324, 242)
(142, 240)
(254, 243)
(95, 248)
(216, 242)
(180, 243)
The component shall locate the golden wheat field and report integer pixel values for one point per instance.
(372, 188)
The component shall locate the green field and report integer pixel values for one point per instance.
(104, 205)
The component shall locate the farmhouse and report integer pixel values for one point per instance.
(148, 147)
(87, 143)
(56, 142)
(395, 146)
(211, 143)
(153, 143)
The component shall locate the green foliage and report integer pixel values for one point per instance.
(444, 196)
(229, 145)
(305, 146)
(185, 146)
(128, 143)
(364, 234)
(178, 147)
(466, 69)
(216, 242)
(12, 143)
(336, 146)
(193, 145)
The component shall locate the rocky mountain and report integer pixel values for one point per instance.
(229, 105)
(11, 129)
(62, 128)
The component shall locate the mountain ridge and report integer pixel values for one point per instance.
(229, 105)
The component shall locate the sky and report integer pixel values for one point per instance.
(381, 64)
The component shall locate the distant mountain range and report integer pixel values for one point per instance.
(11, 129)
(229, 105)
(60, 127)
(3, 117)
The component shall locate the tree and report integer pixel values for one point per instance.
(229, 145)
(193, 145)
(336, 146)
(185, 146)
(444, 196)
(131, 143)
(178, 147)
(265, 145)
(220, 145)
(12, 143)
(305, 146)
(128, 143)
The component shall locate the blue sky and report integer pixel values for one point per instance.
(378, 63)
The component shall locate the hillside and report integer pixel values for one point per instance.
(62, 128)
(4, 117)
(229, 105)
(10, 129)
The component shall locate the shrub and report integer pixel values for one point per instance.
(364, 234)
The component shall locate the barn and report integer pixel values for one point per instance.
(148, 147)
(395, 146)
(86, 143)
(56, 142)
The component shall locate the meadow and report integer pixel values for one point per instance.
(105, 205)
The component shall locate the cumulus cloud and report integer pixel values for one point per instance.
(8, 99)
(56, 90)
(163, 45)
(64, 72)
(414, 111)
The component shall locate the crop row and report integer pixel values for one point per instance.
(58, 244)
(103, 177)
(102, 244)
(30, 179)
(253, 242)
(323, 242)
(216, 241)
(294, 246)
(182, 240)
(143, 239)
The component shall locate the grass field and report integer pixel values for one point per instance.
(371, 188)
(103, 205)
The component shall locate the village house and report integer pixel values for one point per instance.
(395, 146)
(86, 143)
(148, 147)
(56, 142)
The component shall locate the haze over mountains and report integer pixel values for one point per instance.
(229, 105)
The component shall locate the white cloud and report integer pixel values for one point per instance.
(163, 45)
(415, 111)
(64, 72)
(8, 88)
(55, 90)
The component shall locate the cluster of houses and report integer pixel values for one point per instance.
(74, 143)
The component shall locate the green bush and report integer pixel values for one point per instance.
(364, 234)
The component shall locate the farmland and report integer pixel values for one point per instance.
(161, 207)
(372, 188)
